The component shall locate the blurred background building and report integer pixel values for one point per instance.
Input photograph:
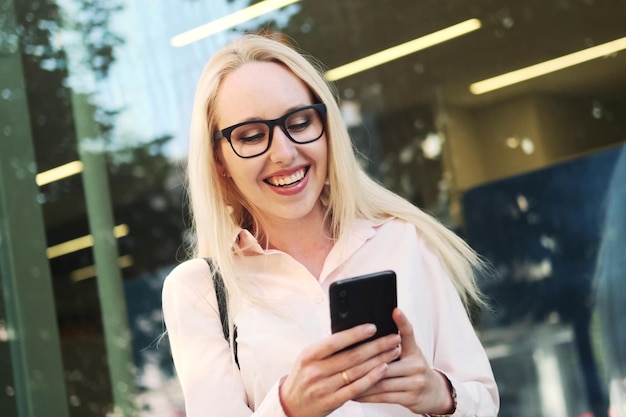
(503, 118)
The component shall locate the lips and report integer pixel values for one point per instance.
(287, 180)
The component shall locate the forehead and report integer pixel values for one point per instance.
(259, 90)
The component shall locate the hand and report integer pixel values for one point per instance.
(411, 382)
(322, 379)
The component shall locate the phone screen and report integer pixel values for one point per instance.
(367, 298)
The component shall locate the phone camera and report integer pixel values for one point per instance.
(344, 310)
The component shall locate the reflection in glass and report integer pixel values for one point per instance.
(611, 287)
(416, 124)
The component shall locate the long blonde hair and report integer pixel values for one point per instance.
(218, 210)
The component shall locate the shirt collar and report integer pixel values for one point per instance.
(361, 231)
(245, 242)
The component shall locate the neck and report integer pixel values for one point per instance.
(306, 240)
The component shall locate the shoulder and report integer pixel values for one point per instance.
(410, 231)
(401, 231)
(399, 236)
(406, 238)
(388, 231)
(193, 274)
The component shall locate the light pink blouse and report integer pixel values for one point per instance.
(269, 341)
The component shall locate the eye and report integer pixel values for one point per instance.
(250, 134)
(299, 122)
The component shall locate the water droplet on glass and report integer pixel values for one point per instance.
(527, 146)
(306, 27)
(522, 203)
(431, 146)
(508, 22)
(74, 400)
(512, 142)
(596, 111)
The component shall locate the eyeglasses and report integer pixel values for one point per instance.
(254, 138)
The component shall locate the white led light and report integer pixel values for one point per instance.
(547, 67)
(229, 21)
(403, 49)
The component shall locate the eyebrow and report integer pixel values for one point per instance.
(258, 119)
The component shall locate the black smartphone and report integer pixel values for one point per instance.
(367, 298)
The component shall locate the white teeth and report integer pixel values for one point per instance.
(293, 178)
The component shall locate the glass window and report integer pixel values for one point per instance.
(505, 119)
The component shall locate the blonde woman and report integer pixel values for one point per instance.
(282, 209)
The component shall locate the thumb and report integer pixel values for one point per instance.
(408, 343)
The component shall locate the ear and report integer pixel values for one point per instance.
(220, 166)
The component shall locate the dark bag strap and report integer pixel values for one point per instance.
(220, 293)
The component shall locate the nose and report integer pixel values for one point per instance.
(282, 150)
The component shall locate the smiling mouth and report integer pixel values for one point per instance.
(292, 179)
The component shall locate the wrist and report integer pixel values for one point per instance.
(453, 399)
(281, 399)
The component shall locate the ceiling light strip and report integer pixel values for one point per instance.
(229, 21)
(90, 271)
(81, 243)
(403, 49)
(58, 173)
(70, 246)
(547, 67)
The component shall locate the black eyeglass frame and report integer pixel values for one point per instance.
(271, 124)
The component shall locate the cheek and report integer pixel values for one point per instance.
(243, 173)
(226, 158)
(230, 164)
(322, 156)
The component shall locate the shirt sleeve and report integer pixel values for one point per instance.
(210, 380)
(458, 352)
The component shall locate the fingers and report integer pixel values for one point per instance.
(409, 345)
(360, 354)
(346, 338)
(327, 375)
(353, 368)
(359, 386)
(331, 381)
(342, 340)
(345, 377)
(410, 382)
(385, 397)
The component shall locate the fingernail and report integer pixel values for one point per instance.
(382, 368)
(396, 351)
(370, 329)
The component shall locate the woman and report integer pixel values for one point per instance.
(282, 208)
